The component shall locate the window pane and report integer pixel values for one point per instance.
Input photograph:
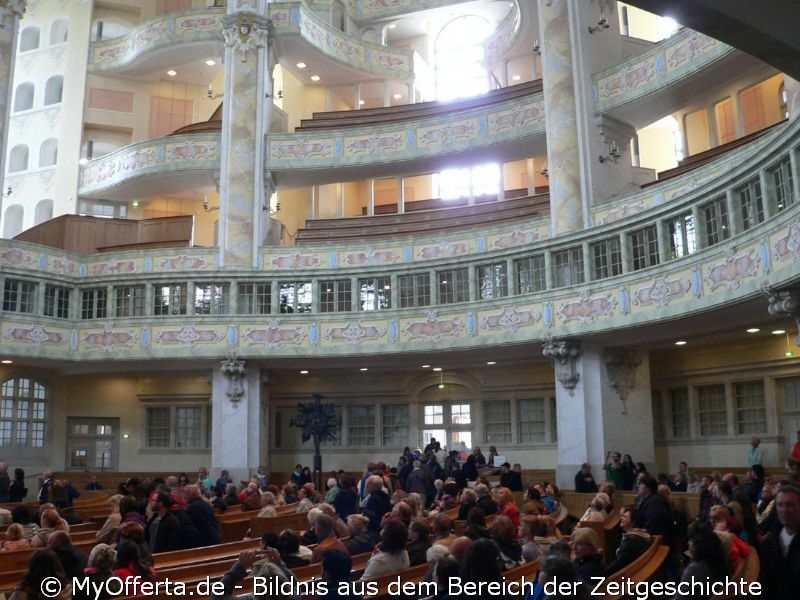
(497, 422)
(531, 421)
(433, 414)
(711, 403)
(361, 425)
(751, 410)
(396, 419)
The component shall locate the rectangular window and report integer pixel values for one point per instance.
(433, 414)
(129, 301)
(751, 409)
(94, 303)
(715, 216)
(644, 247)
(23, 411)
(568, 267)
(361, 426)
(254, 299)
(56, 301)
(453, 286)
(781, 179)
(679, 405)
(19, 296)
(682, 240)
(395, 419)
(169, 299)
(212, 298)
(531, 421)
(178, 426)
(712, 410)
(460, 414)
(337, 430)
(553, 421)
(531, 274)
(375, 294)
(497, 422)
(335, 296)
(492, 281)
(296, 297)
(751, 203)
(606, 258)
(415, 290)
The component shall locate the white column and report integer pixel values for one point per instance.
(10, 13)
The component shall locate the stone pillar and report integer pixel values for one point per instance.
(603, 404)
(11, 12)
(239, 419)
(580, 38)
(246, 116)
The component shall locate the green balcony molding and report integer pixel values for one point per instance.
(674, 59)
(712, 277)
(497, 124)
(163, 31)
(707, 179)
(171, 154)
(205, 25)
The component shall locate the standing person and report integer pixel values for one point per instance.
(628, 472)
(204, 480)
(17, 490)
(780, 548)
(44, 490)
(796, 449)
(615, 471)
(755, 456)
(5, 482)
(202, 515)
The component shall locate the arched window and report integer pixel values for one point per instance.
(18, 159)
(23, 413)
(29, 39)
(108, 30)
(44, 211)
(459, 58)
(58, 31)
(53, 90)
(23, 97)
(12, 223)
(48, 152)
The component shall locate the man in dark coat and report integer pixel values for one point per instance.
(584, 480)
(376, 504)
(202, 515)
(780, 548)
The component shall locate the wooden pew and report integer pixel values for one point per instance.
(218, 551)
(413, 574)
(608, 533)
(653, 556)
(260, 525)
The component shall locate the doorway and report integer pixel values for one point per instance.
(92, 444)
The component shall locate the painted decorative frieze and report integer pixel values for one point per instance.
(36, 336)
(788, 246)
(433, 328)
(109, 339)
(734, 269)
(661, 291)
(588, 309)
(189, 336)
(354, 333)
(511, 320)
(274, 335)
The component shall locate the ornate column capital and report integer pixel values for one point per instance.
(234, 369)
(10, 9)
(785, 303)
(564, 354)
(245, 31)
(621, 366)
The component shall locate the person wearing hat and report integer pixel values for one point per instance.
(588, 562)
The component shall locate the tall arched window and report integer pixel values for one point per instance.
(459, 58)
(23, 96)
(18, 159)
(23, 413)
(48, 152)
(58, 31)
(12, 221)
(29, 39)
(53, 90)
(44, 211)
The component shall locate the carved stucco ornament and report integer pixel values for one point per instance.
(621, 367)
(234, 369)
(245, 31)
(565, 355)
(785, 303)
(9, 9)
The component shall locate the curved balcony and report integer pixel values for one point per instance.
(511, 129)
(181, 36)
(726, 275)
(666, 75)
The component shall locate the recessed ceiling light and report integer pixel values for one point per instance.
(680, 343)
(362, 102)
(7, 361)
(315, 78)
(426, 366)
(516, 77)
(303, 372)
(392, 25)
(491, 362)
(778, 331)
(172, 72)
(753, 330)
(301, 65)
(397, 96)
(210, 62)
(437, 369)
(363, 369)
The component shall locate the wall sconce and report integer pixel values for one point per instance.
(272, 211)
(441, 380)
(601, 24)
(545, 172)
(612, 156)
(206, 207)
(210, 95)
(537, 49)
(788, 353)
(8, 192)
